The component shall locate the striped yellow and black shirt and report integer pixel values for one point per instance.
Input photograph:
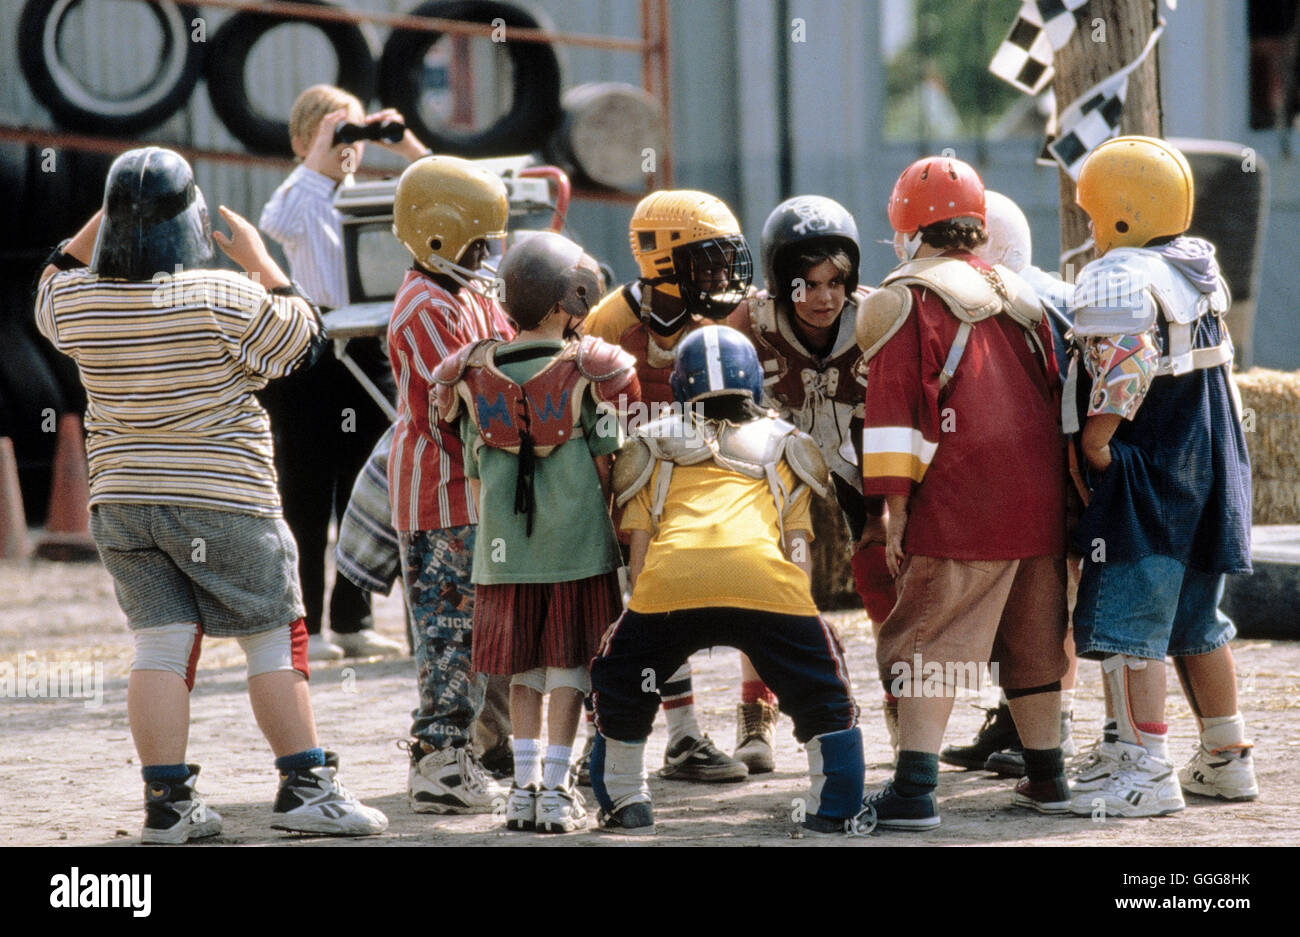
(170, 369)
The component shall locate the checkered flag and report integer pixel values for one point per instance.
(1024, 58)
(1089, 122)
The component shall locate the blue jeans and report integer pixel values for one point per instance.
(436, 574)
(1151, 608)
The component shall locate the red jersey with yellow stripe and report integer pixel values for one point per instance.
(983, 458)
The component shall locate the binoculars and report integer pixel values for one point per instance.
(390, 131)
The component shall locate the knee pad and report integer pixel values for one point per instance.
(534, 679)
(574, 678)
(836, 767)
(283, 648)
(173, 648)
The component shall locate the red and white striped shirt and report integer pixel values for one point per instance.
(426, 470)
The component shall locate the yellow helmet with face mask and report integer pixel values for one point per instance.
(688, 244)
(1135, 189)
(443, 205)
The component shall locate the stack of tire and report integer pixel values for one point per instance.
(394, 75)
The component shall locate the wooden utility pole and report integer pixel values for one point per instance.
(1110, 34)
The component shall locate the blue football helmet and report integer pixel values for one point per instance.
(715, 360)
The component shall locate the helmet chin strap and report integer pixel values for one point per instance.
(465, 277)
(911, 244)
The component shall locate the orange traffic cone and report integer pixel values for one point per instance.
(14, 544)
(67, 525)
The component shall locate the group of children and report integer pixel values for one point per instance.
(681, 425)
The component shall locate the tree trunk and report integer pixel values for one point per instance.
(1110, 34)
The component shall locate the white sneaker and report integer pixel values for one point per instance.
(367, 643)
(1093, 767)
(313, 801)
(1228, 774)
(1141, 786)
(175, 813)
(319, 647)
(561, 810)
(521, 808)
(450, 780)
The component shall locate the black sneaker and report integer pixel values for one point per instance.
(311, 800)
(997, 733)
(174, 813)
(700, 760)
(1007, 764)
(634, 819)
(499, 762)
(893, 811)
(860, 825)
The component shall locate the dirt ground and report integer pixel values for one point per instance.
(66, 612)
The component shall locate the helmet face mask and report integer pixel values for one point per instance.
(713, 276)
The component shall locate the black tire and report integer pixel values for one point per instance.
(75, 107)
(535, 107)
(227, 83)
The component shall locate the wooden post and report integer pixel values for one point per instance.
(1110, 34)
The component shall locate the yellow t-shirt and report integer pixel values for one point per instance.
(610, 317)
(718, 544)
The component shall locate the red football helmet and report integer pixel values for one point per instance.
(933, 189)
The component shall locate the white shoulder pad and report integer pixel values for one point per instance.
(1022, 303)
(805, 458)
(1111, 295)
(675, 439)
(963, 289)
(632, 469)
(1049, 287)
(880, 314)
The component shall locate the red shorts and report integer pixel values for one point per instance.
(520, 626)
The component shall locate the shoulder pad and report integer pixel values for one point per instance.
(1111, 296)
(881, 313)
(1049, 287)
(598, 360)
(677, 439)
(1022, 302)
(964, 290)
(449, 372)
(749, 447)
(805, 458)
(632, 469)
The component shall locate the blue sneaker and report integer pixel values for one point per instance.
(860, 825)
(634, 819)
(893, 811)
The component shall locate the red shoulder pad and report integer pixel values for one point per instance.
(611, 370)
(449, 372)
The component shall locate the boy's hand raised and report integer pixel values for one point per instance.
(245, 247)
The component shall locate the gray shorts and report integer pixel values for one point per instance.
(234, 574)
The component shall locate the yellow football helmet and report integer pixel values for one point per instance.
(1135, 189)
(689, 244)
(444, 204)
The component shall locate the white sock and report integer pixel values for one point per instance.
(679, 694)
(528, 761)
(555, 766)
(1220, 732)
(1156, 745)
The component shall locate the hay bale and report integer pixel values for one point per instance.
(1271, 419)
